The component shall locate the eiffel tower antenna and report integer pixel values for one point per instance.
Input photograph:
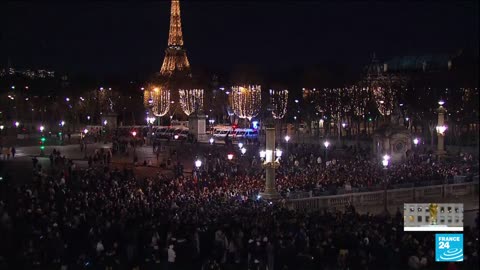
(175, 60)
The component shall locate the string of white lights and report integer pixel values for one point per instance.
(189, 99)
(158, 99)
(246, 101)
(279, 100)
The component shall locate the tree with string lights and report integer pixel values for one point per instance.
(158, 100)
(246, 101)
(279, 101)
(278, 106)
(191, 100)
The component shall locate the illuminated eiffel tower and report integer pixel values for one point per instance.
(175, 62)
(174, 73)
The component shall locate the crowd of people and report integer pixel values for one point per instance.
(304, 168)
(105, 217)
(7, 152)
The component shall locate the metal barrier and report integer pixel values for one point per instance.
(394, 196)
(380, 187)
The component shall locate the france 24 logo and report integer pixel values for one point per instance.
(449, 247)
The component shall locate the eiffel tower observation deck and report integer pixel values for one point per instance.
(175, 72)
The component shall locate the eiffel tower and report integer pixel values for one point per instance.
(175, 62)
(175, 72)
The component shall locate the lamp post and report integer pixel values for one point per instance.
(60, 134)
(134, 134)
(287, 138)
(385, 162)
(416, 141)
(198, 164)
(270, 164)
(150, 121)
(441, 128)
(326, 144)
(175, 143)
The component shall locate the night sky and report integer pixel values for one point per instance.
(130, 38)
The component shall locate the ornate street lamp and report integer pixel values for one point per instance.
(441, 128)
(416, 141)
(198, 164)
(385, 162)
(326, 144)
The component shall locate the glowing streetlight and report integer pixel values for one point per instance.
(88, 117)
(278, 153)
(263, 154)
(344, 125)
(211, 140)
(105, 122)
(85, 131)
(243, 150)
(1, 127)
(230, 156)
(416, 141)
(385, 161)
(17, 124)
(326, 144)
(134, 133)
(175, 136)
(441, 102)
(287, 138)
(198, 164)
(42, 128)
(441, 129)
(62, 123)
(240, 145)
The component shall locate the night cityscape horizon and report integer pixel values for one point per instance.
(245, 136)
(67, 42)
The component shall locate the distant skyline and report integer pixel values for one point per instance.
(107, 38)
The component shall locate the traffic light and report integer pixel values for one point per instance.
(42, 145)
